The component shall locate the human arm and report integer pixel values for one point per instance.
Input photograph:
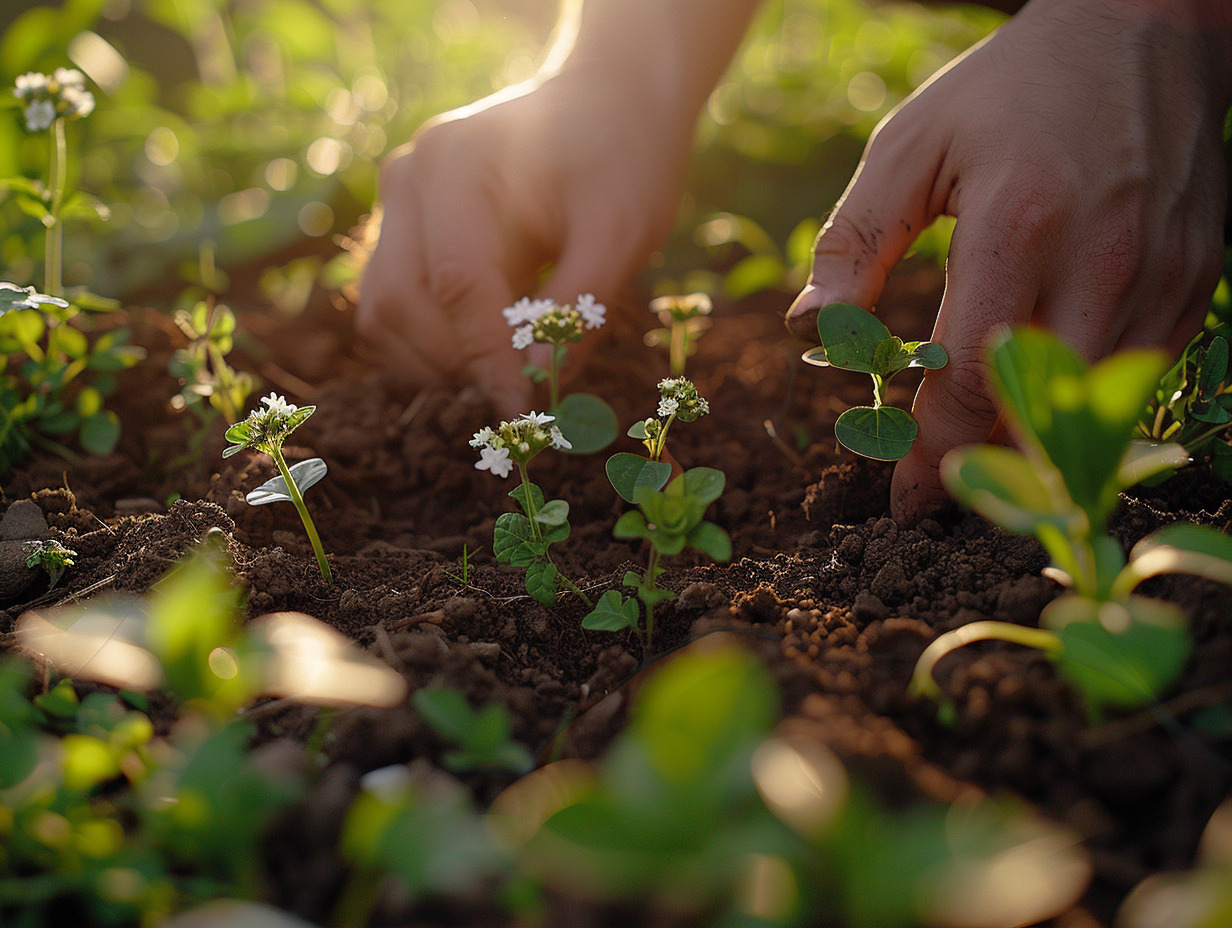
(579, 168)
(1079, 150)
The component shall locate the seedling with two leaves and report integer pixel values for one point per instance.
(854, 339)
(1076, 423)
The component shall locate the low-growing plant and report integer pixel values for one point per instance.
(52, 556)
(854, 339)
(586, 421)
(679, 401)
(683, 320)
(522, 539)
(1192, 406)
(53, 381)
(210, 386)
(483, 736)
(1076, 425)
(266, 430)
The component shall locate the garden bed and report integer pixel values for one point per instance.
(833, 595)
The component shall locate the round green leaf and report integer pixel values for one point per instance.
(704, 484)
(554, 512)
(850, 336)
(884, 433)
(612, 613)
(588, 423)
(710, 539)
(930, 356)
(627, 472)
(100, 432)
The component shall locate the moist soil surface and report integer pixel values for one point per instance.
(836, 597)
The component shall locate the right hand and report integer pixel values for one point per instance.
(571, 175)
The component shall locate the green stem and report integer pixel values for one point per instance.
(924, 684)
(656, 453)
(574, 588)
(652, 571)
(534, 527)
(298, 499)
(53, 255)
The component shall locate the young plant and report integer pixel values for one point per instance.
(679, 400)
(1192, 405)
(854, 339)
(587, 421)
(522, 539)
(48, 101)
(266, 430)
(1075, 424)
(53, 380)
(683, 320)
(52, 556)
(483, 736)
(671, 520)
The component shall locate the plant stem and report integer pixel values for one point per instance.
(652, 571)
(534, 527)
(924, 684)
(678, 348)
(574, 589)
(298, 499)
(57, 177)
(558, 357)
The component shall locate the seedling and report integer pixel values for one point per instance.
(683, 320)
(202, 366)
(52, 556)
(266, 430)
(854, 339)
(483, 736)
(671, 520)
(587, 421)
(522, 539)
(1076, 424)
(464, 577)
(1193, 403)
(679, 400)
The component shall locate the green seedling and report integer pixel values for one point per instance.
(1192, 405)
(52, 556)
(671, 520)
(683, 320)
(266, 430)
(678, 401)
(854, 339)
(210, 385)
(1076, 424)
(53, 381)
(522, 539)
(585, 420)
(482, 736)
(463, 577)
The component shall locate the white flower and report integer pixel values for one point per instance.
(483, 437)
(30, 85)
(278, 405)
(526, 310)
(537, 419)
(496, 460)
(559, 440)
(523, 336)
(77, 102)
(69, 79)
(667, 406)
(40, 115)
(592, 313)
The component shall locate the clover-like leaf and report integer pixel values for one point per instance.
(705, 484)
(884, 433)
(850, 336)
(612, 613)
(553, 513)
(712, 540)
(627, 472)
(305, 474)
(541, 581)
(587, 422)
(514, 541)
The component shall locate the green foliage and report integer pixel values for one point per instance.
(52, 556)
(522, 539)
(210, 386)
(629, 472)
(854, 339)
(587, 422)
(1076, 425)
(483, 736)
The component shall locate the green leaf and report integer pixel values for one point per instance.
(536, 497)
(553, 513)
(816, 356)
(889, 356)
(1214, 367)
(1004, 487)
(850, 336)
(630, 525)
(754, 273)
(612, 613)
(514, 542)
(25, 326)
(84, 206)
(930, 356)
(884, 433)
(712, 540)
(541, 581)
(627, 472)
(799, 247)
(100, 432)
(588, 423)
(704, 484)
(306, 474)
(1185, 548)
(637, 430)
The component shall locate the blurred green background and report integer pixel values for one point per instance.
(258, 125)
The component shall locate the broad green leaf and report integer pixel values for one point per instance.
(553, 513)
(884, 433)
(24, 326)
(1004, 487)
(816, 356)
(588, 423)
(612, 613)
(637, 430)
(541, 581)
(712, 540)
(514, 542)
(799, 247)
(1184, 548)
(627, 472)
(1144, 460)
(89, 402)
(704, 484)
(536, 497)
(100, 432)
(850, 336)
(754, 273)
(1214, 367)
(930, 356)
(890, 356)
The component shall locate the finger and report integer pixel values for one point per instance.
(987, 289)
(889, 201)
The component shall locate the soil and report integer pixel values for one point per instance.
(837, 598)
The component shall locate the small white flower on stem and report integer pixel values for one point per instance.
(558, 440)
(538, 419)
(495, 460)
(526, 310)
(30, 85)
(483, 437)
(592, 313)
(278, 405)
(40, 115)
(667, 406)
(523, 336)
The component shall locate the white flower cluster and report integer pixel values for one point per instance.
(679, 398)
(15, 297)
(550, 322)
(681, 308)
(516, 442)
(62, 95)
(278, 406)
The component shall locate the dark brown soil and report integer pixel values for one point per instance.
(838, 598)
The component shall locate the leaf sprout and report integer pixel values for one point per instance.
(266, 430)
(52, 556)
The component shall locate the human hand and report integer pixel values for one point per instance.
(1079, 150)
(574, 173)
